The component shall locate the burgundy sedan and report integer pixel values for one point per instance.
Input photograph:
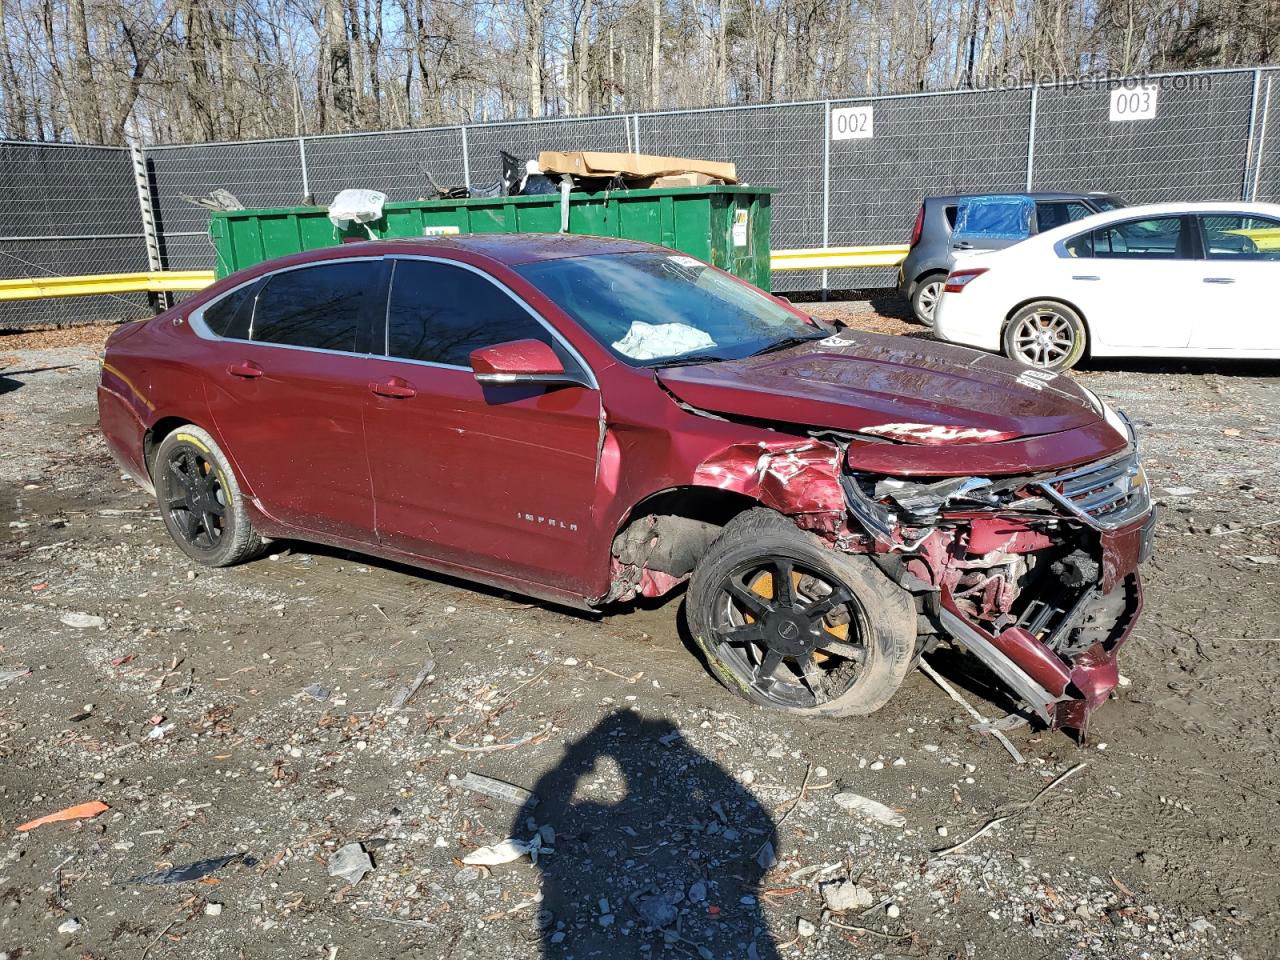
(586, 420)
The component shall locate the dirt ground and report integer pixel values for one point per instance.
(249, 713)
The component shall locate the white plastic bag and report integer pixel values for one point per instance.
(356, 206)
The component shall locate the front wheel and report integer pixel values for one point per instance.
(787, 623)
(200, 500)
(1045, 334)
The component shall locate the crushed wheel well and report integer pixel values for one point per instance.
(666, 534)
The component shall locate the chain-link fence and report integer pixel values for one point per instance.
(68, 210)
(1194, 136)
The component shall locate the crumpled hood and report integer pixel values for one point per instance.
(899, 388)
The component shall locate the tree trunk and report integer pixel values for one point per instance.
(655, 59)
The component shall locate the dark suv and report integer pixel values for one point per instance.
(932, 254)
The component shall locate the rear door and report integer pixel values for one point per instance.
(1238, 280)
(491, 477)
(992, 222)
(288, 388)
(1131, 282)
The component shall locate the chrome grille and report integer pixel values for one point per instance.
(1107, 494)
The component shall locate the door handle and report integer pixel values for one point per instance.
(1084, 276)
(395, 388)
(962, 245)
(245, 369)
(1219, 280)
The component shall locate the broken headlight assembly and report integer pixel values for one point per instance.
(894, 509)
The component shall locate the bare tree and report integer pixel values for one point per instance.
(111, 70)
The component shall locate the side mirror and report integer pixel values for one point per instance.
(520, 361)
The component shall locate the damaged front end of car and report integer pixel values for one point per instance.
(1036, 575)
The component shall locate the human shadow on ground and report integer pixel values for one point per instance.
(656, 849)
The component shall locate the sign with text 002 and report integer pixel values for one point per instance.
(1134, 103)
(852, 123)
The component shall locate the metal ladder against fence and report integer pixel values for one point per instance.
(850, 171)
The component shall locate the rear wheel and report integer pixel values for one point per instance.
(786, 623)
(1045, 334)
(925, 299)
(200, 500)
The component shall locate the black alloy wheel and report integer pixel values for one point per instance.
(194, 496)
(794, 637)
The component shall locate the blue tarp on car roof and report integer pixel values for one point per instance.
(1006, 216)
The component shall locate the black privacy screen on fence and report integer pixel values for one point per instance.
(774, 146)
(849, 172)
(928, 144)
(65, 211)
(1196, 147)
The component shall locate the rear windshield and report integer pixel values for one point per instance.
(651, 309)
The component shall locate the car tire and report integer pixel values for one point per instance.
(200, 500)
(848, 661)
(1047, 335)
(924, 300)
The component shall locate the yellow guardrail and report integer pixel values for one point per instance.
(189, 281)
(35, 288)
(833, 258)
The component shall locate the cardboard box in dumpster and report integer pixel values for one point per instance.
(588, 163)
(684, 180)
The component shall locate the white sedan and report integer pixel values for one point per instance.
(1164, 280)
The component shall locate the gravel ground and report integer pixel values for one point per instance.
(250, 713)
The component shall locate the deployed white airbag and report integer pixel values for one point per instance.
(649, 341)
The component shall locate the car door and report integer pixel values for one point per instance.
(491, 477)
(287, 392)
(1130, 281)
(1238, 278)
(992, 222)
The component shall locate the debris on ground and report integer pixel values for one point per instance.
(869, 809)
(192, 871)
(405, 694)
(841, 896)
(350, 863)
(82, 621)
(81, 811)
(499, 790)
(507, 851)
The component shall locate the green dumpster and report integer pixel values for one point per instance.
(727, 226)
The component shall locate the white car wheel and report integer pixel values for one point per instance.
(1047, 335)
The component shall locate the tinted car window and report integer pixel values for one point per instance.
(229, 317)
(440, 313)
(1236, 237)
(1055, 214)
(1155, 239)
(316, 306)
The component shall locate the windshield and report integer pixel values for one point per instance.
(653, 309)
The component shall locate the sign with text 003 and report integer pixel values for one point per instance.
(1134, 103)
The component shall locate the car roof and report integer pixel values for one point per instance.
(511, 248)
(1050, 237)
(1036, 195)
